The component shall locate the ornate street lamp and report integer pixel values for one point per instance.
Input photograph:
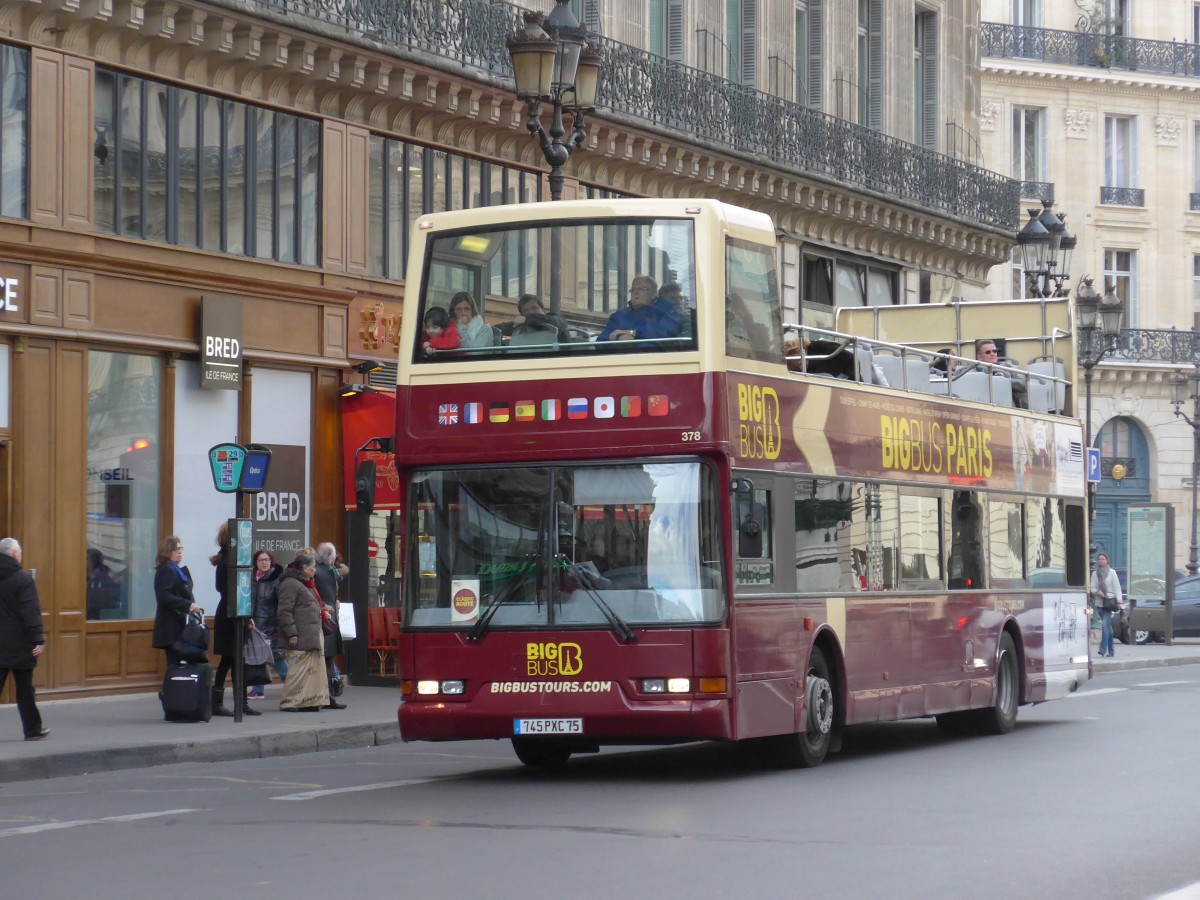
(1184, 388)
(552, 62)
(1046, 249)
(1099, 320)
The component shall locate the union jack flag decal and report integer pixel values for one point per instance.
(448, 414)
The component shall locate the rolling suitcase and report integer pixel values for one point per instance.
(187, 693)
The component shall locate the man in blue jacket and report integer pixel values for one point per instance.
(647, 316)
(21, 635)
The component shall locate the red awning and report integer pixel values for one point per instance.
(367, 416)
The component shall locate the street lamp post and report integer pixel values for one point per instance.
(1046, 248)
(1184, 388)
(553, 63)
(1099, 326)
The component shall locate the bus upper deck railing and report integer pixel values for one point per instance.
(822, 352)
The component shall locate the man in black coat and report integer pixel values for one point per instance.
(21, 635)
(328, 580)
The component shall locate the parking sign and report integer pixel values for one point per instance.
(1093, 465)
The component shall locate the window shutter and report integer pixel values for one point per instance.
(656, 40)
(675, 30)
(875, 65)
(733, 39)
(749, 70)
(591, 16)
(929, 78)
(816, 63)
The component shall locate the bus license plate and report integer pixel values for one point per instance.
(547, 726)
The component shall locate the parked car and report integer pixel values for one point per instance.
(1143, 587)
(1185, 613)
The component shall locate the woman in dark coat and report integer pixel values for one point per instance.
(21, 635)
(224, 628)
(173, 596)
(265, 588)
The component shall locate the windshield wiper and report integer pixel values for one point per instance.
(588, 582)
(503, 597)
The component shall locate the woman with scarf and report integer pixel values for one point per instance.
(1106, 600)
(264, 588)
(173, 596)
(306, 688)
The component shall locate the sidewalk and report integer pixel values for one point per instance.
(127, 732)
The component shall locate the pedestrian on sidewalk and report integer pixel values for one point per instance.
(173, 599)
(306, 688)
(329, 580)
(265, 588)
(22, 638)
(1106, 599)
(224, 628)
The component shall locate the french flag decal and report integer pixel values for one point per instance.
(472, 413)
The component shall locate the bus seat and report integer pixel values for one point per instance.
(1046, 395)
(918, 375)
(1002, 393)
(892, 367)
(866, 365)
(972, 386)
(530, 338)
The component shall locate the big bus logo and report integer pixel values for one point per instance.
(543, 659)
(759, 435)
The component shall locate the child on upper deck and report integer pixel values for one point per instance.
(441, 332)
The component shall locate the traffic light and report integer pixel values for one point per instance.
(364, 486)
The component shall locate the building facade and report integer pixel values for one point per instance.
(158, 160)
(1095, 107)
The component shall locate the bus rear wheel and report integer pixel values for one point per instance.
(541, 753)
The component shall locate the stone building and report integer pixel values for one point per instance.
(165, 162)
(1094, 107)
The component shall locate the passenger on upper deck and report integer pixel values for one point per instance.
(647, 316)
(532, 318)
(673, 292)
(987, 352)
(472, 329)
(441, 333)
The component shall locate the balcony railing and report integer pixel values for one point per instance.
(1164, 346)
(1080, 48)
(1037, 190)
(707, 109)
(1122, 196)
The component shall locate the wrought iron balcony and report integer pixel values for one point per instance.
(643, 88)
(1037, 190)
(1122, 196)
(1163, 346)
(1081, 48)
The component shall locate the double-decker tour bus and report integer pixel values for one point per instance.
(631, 516)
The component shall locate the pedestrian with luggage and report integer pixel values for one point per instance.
(173, 596)
(22, 638)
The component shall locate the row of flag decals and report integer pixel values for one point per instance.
(553, 410)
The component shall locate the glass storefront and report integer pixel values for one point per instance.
(122, 484)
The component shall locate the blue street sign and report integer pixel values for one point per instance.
(1093, 472)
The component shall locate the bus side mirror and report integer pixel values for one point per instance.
(364, 486)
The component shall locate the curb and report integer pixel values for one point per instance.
(261, 746)
(1126, 665)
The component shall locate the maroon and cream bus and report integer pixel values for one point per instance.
(629, 517)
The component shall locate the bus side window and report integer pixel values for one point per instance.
(964, 567)
(752, 532)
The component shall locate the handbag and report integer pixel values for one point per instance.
(1111, 603)
(192, 643)
(255, 674)
(258, 649)
(327, 624)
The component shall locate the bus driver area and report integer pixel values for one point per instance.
(695, 534)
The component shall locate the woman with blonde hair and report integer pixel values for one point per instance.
(306, 688)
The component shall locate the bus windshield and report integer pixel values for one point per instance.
(565, 545)
(558, 288)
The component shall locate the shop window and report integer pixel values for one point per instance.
(122, 484)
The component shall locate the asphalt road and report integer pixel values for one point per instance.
(1094, 796)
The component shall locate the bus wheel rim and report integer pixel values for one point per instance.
(820, 704)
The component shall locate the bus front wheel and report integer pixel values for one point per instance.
(541, 753)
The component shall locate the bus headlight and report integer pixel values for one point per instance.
(454, 687)
(451, 687)
(666, 685)
(427, 687)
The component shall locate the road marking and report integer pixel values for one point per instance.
(1162, 683)
(58, 826)
(380, 786)
(1097, 692)
(1190, 892)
